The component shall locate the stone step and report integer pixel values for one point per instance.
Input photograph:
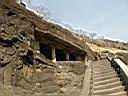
(107, 86)
(103, 82)
(109, 91)
(123, 93)
(103, 72)
(114, 94)
(108, 64)
(101, 64)
(102, 75)
(105, 77)
(101, 68)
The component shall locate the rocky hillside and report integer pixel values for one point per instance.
(102, 42)
(100, 46)
(23, 75)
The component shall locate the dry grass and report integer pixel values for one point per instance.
(100, 49)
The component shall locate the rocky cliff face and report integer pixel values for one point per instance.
(20, 73)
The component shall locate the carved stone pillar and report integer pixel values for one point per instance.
(85, 58)
(67, 56)
(53, 55)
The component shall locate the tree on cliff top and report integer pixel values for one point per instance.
(41, 10)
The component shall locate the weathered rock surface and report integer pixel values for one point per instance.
(22, 75)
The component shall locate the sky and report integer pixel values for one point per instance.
(104, 17)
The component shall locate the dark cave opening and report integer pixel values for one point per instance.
(46, 51)
(28, 58)
(72, 57)
(60, 55)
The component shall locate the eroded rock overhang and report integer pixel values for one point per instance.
(57, 48)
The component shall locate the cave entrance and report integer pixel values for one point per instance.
(46, 51)
(72, 57)
(60, 55)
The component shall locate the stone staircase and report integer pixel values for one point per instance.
(105, 80)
